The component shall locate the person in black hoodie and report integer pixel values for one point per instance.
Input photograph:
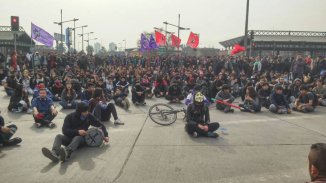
(74, 130)
(138, 94)
(279, 103)
(198, 119)
(6, 132)
(264, 94)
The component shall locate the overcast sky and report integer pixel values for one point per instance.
(214, 20)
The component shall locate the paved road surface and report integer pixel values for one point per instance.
(255, 148)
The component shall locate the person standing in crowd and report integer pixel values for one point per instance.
(198, 119)
(298, 67)
(36, 59)
(317, 163)
(43, 110)
(74, 130)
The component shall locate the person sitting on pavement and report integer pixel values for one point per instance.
(198, 119)
(120, 98)
(225, 96)
(123, 83)
(174, 93)
(6, 132)
(102, 109)
(320, 92)
(279, 103)
(317, 163)
(160, 87)
(19, 101)
(146, 83)
(74, 130)
(264, 94)
(10, 84)
(88, 93)
(68, 97)
(306, 101)
(251, 102)
(43, 110)
(40, 86)
(138, 94)
(56, 90)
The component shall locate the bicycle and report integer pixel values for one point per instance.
(164, 114)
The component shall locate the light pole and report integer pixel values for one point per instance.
(82, 35)
(75, 19)
(246, 29)
(125, 44)
(82, 27)
(87, 40)
(61, 22)
(179, 28)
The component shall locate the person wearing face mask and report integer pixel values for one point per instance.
(198, 119)
(74, 130)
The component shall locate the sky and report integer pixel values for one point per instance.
(213, 20)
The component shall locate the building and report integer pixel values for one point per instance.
(7, 41)
(289, 43)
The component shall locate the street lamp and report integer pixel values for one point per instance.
(246, 29)
(61, 22)
(87, 40)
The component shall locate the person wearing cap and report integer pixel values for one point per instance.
(225, 96)
(43, 110)
(74, 130)
(279, 103)
(40, 86)
(6, 132)
(138, 94)
(306, 101)
(317, 163)
(198, 119)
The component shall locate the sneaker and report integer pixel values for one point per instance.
(50, 154)
(231, 110)
(195, 134)
(51, 125)
(212, 134)
(65, 154)
(118, 122)
(137, 103)
(38, 125)
(12, 142)
(144, 103)
(29, 111)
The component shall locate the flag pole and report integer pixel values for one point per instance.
(32, 57)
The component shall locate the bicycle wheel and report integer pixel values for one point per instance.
(162, 114)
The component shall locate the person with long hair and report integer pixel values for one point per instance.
(251, 102)
(19, 101)
(68, 97)
(102, 110)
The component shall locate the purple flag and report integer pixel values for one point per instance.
(152, 43)
(42, 36)
(143, 43)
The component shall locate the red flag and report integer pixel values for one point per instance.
(193, 40)
(160, 38)
(237, 49)
(175, 41)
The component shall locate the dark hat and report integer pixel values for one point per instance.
(82, 107)
(279, 87)
(225, 87)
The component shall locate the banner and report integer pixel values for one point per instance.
(41, 35)
(193, 40)
(144, 44)
(175, 41)
(152, 43)
(160, 38)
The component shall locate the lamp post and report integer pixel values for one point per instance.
(61, 23)
(246, 29)
(125, 44)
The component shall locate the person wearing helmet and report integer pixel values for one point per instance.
(225, 96)
(198, 119)
(74, 130)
